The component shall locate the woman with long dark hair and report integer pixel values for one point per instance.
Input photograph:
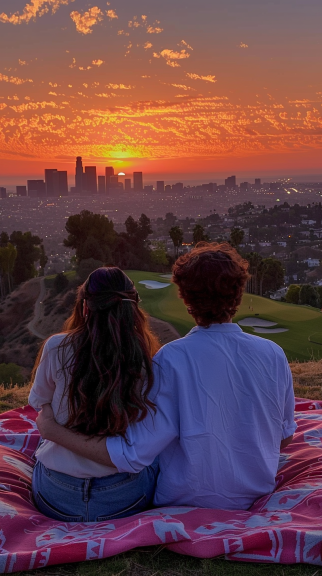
(97, 376)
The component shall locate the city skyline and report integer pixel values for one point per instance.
(171, 90)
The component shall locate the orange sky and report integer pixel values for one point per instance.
(173, 88)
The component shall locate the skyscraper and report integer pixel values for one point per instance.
(127, 184)
(138, 181)
(63, 182)
(109, 171)
(36, 188)
(52, 182)
(90, 178)
(101, 185)
(3, 192)
(79, 175)
(230, 182)
(160, 186)
(243, 186)
(258, 183)
(21, 190)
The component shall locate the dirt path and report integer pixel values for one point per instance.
(38, 310)
(165, 331)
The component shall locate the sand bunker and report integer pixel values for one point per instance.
(256, 322)
(261, 326)
(153, 285)
(269, 330)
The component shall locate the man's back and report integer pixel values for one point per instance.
(226, 401)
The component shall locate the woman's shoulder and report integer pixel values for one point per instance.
(54, 341)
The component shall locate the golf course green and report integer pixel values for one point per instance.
(302, 341)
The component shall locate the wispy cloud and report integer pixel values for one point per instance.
(243, 45)
(171, 56)
(14, 80)
(85, 21)
(208, 78)
(184, 43)
(32, 10)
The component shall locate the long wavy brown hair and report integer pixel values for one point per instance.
(106, 356)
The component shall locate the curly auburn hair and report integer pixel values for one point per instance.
(211, 280)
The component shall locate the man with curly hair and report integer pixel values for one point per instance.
(224, 399)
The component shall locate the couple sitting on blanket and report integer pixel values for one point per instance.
(125, 427)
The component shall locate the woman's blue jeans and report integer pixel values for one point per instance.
(69, 499)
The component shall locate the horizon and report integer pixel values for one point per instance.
(229, 87)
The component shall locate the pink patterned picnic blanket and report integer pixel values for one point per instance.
(284, 527)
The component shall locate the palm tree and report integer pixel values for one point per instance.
(176, 235)
(199, 234)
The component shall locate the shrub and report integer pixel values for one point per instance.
(11, 374)
(293, 294)
(60, 283)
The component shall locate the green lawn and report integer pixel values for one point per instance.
(301, 342)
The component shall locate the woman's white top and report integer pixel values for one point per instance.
(49, 388)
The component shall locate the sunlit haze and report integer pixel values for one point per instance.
(184, 88)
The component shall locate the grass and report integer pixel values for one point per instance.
(301, 342)
(156, 562)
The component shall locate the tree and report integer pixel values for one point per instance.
(60, 283)
(8, 257)
(309, 296)
(271, 275)
(158, 254)
(4, 239)
(254, 260)
(199, 234)
(236, 237)
(293, 294)
(86, 267)
(138, 231)
(42, 260)
(28, 252)
(87, 225)
(176, 236)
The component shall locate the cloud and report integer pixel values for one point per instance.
(154, 30)
(84, 22)
(3, 106)
(112, 14)
(98, 63)
(243, 45)
(208, 78)
(171, 56)
(13, 79)
(122, 32)
(184, 43)
(119, 86)
(22, 62)
(32, 10)
(147, 45)
(183, 87)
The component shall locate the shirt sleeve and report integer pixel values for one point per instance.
(147, 439)
(289, 424)
(43, 388)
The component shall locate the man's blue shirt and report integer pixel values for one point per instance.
(224, 402)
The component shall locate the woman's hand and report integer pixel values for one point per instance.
(46, 422)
